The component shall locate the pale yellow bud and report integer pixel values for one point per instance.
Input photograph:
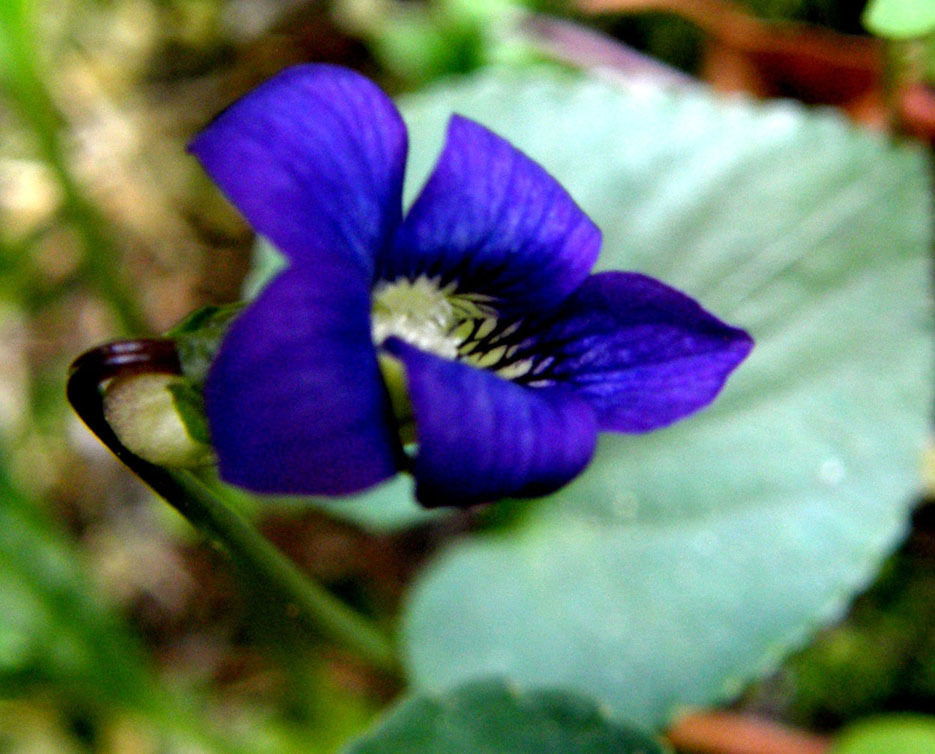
(142, 411)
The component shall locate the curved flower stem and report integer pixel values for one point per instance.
(194, 500)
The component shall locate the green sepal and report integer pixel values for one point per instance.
(190, 406)
(198, 338)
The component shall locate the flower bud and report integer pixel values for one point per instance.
(151, 416)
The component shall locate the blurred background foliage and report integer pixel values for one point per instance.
(120, 631)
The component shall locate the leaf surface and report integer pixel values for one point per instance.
(686, 562)
(488, 717)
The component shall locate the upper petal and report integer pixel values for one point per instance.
(482, 438)
(495, 222)
(294, 399)
(641, 353)
(314, 159)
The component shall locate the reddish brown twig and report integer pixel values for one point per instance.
(731, 733)
(917, 112)
(789, 59)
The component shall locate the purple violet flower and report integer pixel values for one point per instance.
(508, 354)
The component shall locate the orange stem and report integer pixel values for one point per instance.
(731, 733)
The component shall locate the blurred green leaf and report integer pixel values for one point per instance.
(15, 18)
(420, 46)
(896, 734)
(423, 41)
(52, 629)
(686, 562)
(490, 717)
(900, 19)
(391, 506)
(55, 635)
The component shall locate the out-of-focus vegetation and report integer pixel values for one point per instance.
(120, 630)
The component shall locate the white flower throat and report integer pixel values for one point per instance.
(427, 315)
(456, 326)
(417, 311)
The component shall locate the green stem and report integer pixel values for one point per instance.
(196, 502)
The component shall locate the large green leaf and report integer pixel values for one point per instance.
(685, 562)
(489, 717)
(388, 507)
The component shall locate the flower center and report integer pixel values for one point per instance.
(422, 313)
(417, 311)
(426, 314)
(456, 326)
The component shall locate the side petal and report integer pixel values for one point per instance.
(482, 438)
(495, 222)
(641, 353)
(314, 159)
(294, 399)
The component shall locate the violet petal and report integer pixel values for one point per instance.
(497, 223)
(641, 353)
(314, 159)
(295, 400)
(482, 438)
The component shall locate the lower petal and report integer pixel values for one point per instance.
(642, 354)
(482, 438)
(294, 399)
